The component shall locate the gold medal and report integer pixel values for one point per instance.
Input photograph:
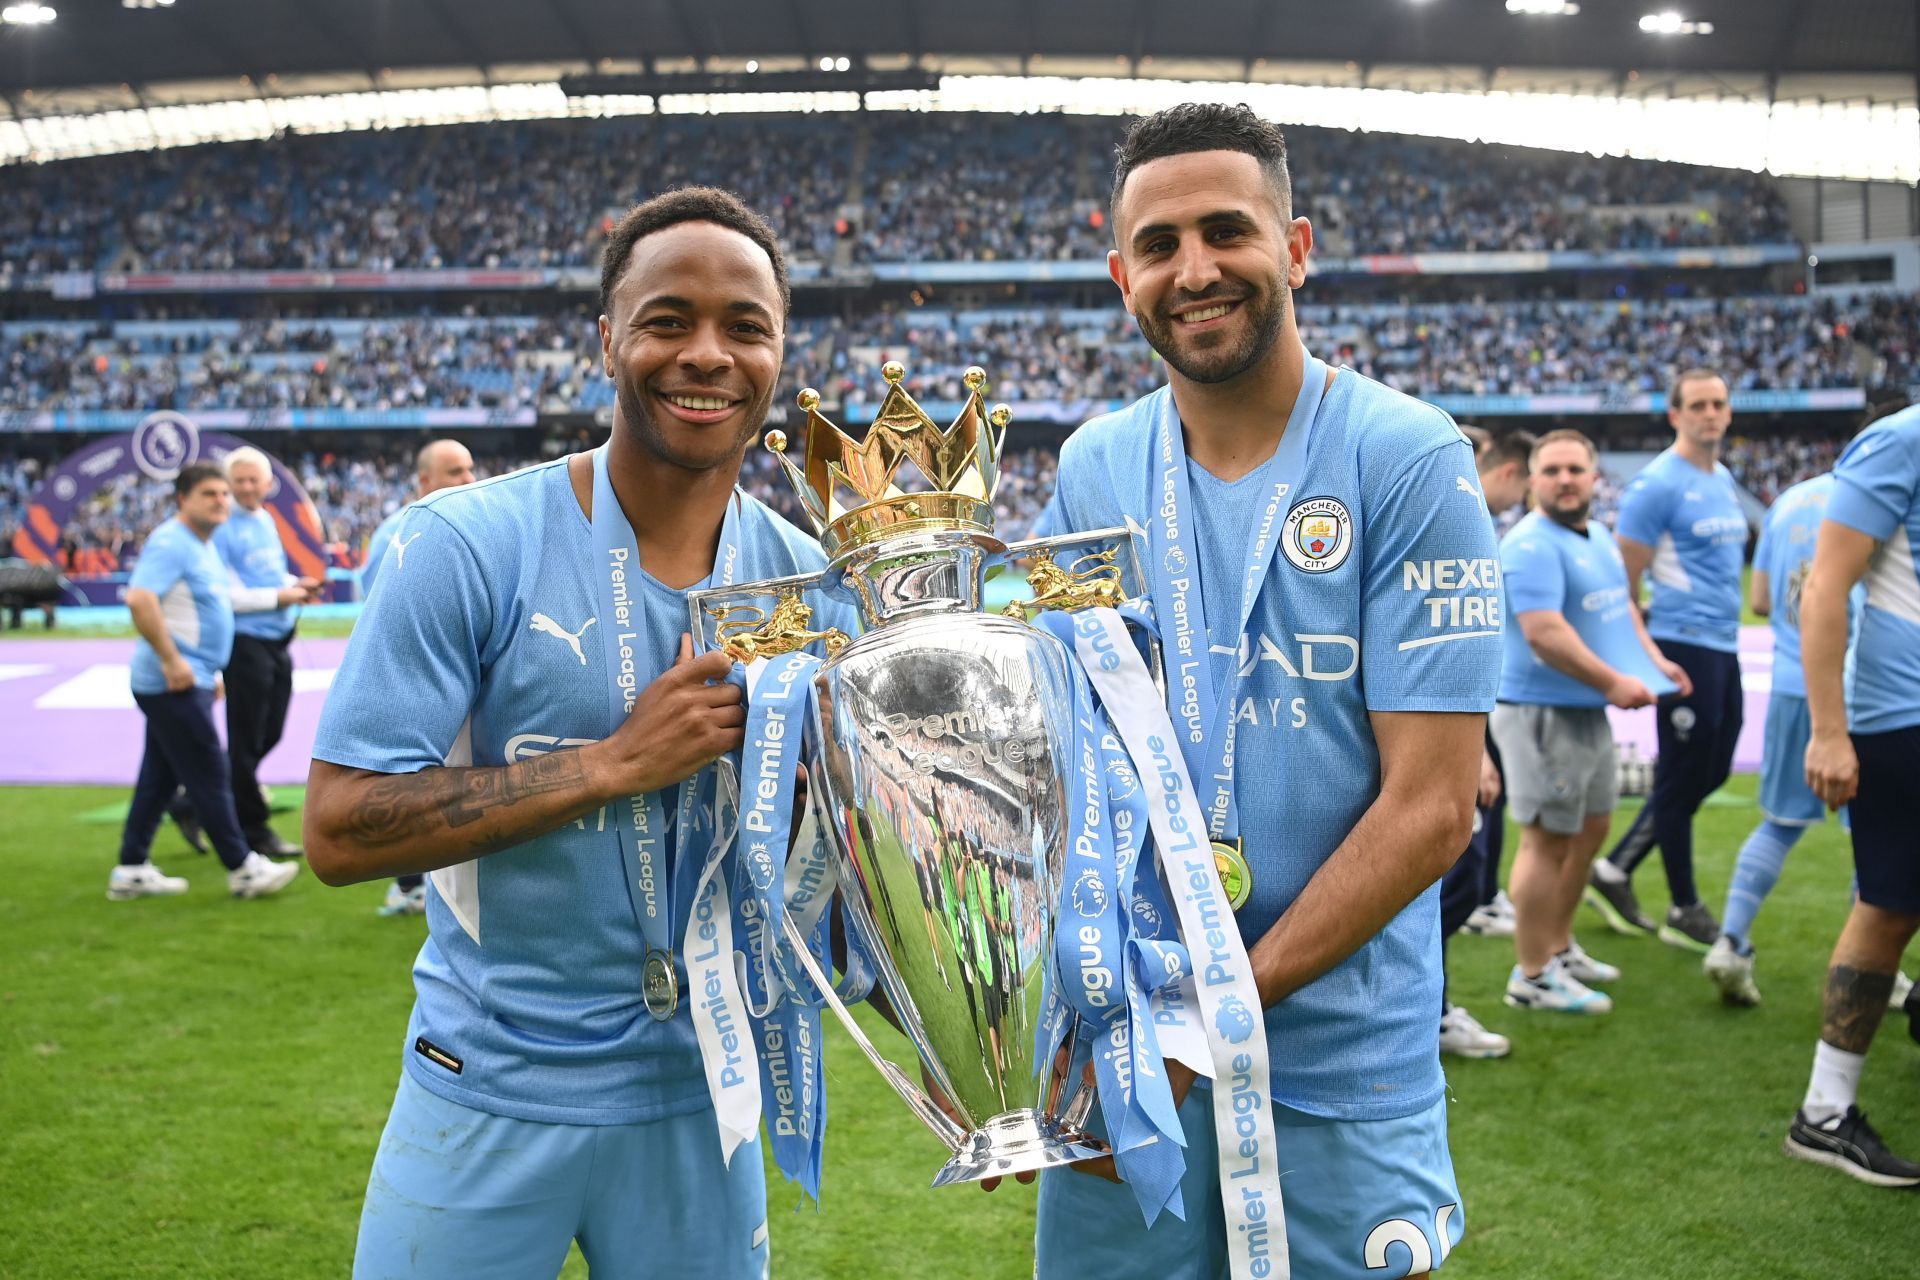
(1236, 877)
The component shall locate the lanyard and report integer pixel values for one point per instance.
(1202, 713)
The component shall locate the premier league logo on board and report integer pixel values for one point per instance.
(1233, 1020)
(1318, 536)
(164, 442)
(1089, 894)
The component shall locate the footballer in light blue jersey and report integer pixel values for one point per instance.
(1785, 554)
(1382, 599)
(250, 544)
(1681, 520)
(1693, 522)
(1864, 748)
(1579, 575)
(186, 572)
(476, 731)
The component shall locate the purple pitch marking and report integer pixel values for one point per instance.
(56, 701)
(73, 739)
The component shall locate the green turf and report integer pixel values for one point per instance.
(194, 1087)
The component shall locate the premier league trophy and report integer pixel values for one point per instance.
(940, 758)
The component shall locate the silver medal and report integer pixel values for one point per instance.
(658, 986)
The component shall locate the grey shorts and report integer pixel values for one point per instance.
(1558, 762)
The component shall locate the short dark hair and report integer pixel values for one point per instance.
(1513, 446)
(687, 204)
(1204, 126)
(195, 474)
(1698, 373)
(1561, 435)
(1478, 437)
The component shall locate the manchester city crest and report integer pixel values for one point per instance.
(1318, 536)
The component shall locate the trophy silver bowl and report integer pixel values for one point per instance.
(941, 740)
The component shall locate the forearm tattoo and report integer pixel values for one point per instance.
(405, 807)
(1854, 1003)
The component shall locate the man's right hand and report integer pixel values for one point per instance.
(679, 724)
(1628, 693)
(178, 674)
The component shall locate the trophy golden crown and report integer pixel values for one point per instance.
(855, 491)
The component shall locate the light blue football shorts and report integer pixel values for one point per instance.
(1785, 796)
(460, 1194)
(1364, 1200)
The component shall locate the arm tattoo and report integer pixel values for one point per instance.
(1854, 1002)
(405, 807)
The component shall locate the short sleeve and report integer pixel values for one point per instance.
(413, 667)
(162, 563)
(1536, 579)
(1646, 508)
(1874, 483)
(1430, 623)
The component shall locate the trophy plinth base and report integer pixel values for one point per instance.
(1016, 1142)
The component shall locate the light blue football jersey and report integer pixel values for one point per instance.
(1385, 597)
(186, 572)
(1698, 531)
(379, 546)
(250, 544)
(1785, 553)
(1581, 577)
(480, 648)
(1876, 491)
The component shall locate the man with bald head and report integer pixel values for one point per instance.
(440, 464)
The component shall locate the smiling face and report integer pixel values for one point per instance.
(249, 481)
(1207, 261)
(693, 341)
(1562, 482)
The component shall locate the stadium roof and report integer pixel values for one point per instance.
(1789, 46)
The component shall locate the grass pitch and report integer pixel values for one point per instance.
(194, 1087)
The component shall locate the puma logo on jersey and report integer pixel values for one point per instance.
(400, 546)
(547, 626)
(1460, 483)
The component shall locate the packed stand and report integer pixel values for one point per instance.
(932, 188)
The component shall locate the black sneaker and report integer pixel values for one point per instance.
(190, 830)
(1618, 905)
(271, 844)
(1692, 928)
(1849, 1144)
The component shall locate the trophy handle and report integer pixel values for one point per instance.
(910, 1093)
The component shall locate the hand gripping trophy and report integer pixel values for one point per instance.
(939, 756)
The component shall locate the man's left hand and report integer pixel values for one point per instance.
(1180, 1079)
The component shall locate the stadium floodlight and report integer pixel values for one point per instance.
(753, 65)
(27, 15)
(1543, 8)
(1669, 23)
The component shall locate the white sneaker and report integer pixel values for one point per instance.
(143, 881)
(1732, 973)
(1578, 964)
(257, 877)
(1491, 919)
(404, 902)
(1462, 1036)
(1902, 984)
(1556, 990)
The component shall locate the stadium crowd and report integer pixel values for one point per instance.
(918, 188)
(553, 365)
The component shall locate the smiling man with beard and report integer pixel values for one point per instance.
(515, 712)
(1323, 573)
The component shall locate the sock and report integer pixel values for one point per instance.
(1607, 871)
(1754, 876)
(1835, 1083)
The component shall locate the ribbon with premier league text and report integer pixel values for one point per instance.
(1225, 1000)
(1093, 947)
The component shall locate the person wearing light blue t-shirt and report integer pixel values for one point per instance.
(1358, 685)
(1863, 751)
(440, 464)
(259, 672)
(1574, 646)
(1681, 523)
(178, 598)
(1788, 806)
(478, 732)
